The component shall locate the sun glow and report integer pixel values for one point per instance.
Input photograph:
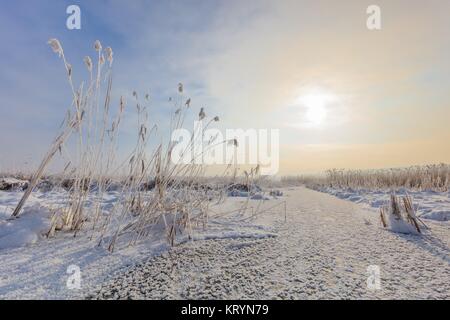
(315, 104)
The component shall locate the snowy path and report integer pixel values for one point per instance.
(323, 251)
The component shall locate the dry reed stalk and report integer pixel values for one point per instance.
(45, 162)
(395, 208)
(403, 213)
(382, 217)
(409, 209)
(136, 211)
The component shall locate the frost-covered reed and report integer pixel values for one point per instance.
(400, 216)
(154, 195)
(434, 177)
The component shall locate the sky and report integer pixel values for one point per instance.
(342, 96)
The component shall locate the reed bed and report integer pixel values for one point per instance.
(434, 177)
(155, 197)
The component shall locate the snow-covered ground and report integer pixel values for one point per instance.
(326, 249)
(323, 247)
(33, 266)
(428, 204)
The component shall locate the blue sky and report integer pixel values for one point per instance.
(250, 62)
(152, 43)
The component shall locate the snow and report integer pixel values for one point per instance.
(400, 226)
(237, 193)
(9, 183)
(33, 266)
(31, 226)
(430, 205)
(255, 195)
(11, 180)
(259, 197)
(322, 250)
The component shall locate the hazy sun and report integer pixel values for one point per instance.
(315, 103)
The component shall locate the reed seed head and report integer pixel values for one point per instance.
(97, 45)
(88, 62)
(109, 55)
(56, 46)
(201, 114)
